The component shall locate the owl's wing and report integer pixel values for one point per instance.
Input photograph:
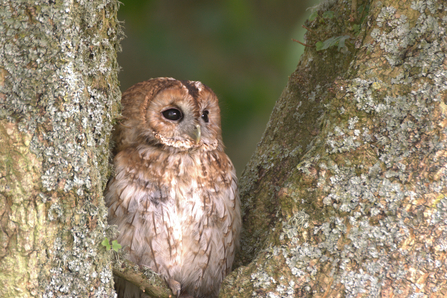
(141, 208)
(233, 222)
(212, 234)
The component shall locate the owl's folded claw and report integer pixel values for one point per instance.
(175, 287)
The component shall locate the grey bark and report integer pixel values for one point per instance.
(345, 194)
(58, 96)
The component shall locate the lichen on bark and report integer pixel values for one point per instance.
(345, 195)
(58, 96)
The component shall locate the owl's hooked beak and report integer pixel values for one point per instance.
(196, 133)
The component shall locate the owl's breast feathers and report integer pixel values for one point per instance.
(177, 213)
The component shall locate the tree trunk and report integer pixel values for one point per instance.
(345, 195)
(58, 95)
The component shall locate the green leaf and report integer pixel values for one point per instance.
(341, 41)
(333, 41)
(313, 16)
(328, 14)
(319, 45)
(106, 243)
(116, 246)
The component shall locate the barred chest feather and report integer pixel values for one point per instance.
(178, 214)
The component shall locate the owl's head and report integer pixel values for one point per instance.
(184, 115)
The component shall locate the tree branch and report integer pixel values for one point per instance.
(147, 280)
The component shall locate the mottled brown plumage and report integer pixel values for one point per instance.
(174, 196)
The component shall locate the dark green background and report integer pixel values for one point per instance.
(241, 49)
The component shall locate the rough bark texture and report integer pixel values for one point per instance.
(345, 195)
(58, 96)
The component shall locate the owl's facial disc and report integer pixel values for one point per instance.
(178, 125)
(184, 118)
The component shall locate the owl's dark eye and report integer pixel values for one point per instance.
(205, 116)
(173, 114)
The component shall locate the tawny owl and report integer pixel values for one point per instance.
(174, 195)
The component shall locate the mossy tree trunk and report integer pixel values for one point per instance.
(345, 195)
(58, 95)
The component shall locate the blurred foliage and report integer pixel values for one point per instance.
(242, 49)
